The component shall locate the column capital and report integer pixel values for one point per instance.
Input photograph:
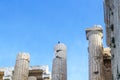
(97, 29)
(23, 56)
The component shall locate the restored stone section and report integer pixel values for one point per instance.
(59, 67)
(107, 64)
(32, 78)
(112, 21)
(21, 67)
(95, 35)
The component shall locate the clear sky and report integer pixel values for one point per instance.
(35, 26)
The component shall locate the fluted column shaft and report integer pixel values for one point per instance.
(116, 49)
(21, 67)
(112, 17)
(59, 71)
(95, 54)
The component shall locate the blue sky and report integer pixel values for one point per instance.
(35, 26)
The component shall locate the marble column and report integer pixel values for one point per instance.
(94, 36)
(21, 69)
(59, 68)
(112, 21)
